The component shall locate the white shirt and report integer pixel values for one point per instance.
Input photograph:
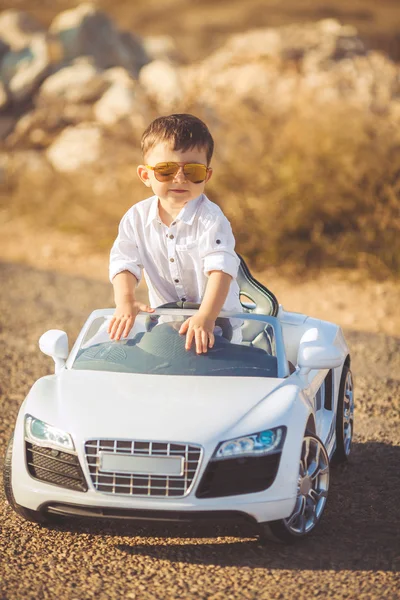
(177, 259)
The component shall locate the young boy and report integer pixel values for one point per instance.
(182, 240)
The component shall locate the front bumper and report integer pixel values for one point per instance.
(182, 516)
(268, 505)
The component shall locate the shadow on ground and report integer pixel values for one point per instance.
(357, 532)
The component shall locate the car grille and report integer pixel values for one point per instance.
(56, 467)
(233, 476)
(139, 484)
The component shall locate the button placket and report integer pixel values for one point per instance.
(171, 235)
(171, 253)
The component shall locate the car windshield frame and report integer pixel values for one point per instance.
(270, 322)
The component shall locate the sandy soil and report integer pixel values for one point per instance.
(353, 554)
(350, 298)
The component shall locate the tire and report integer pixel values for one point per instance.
(27, 513)
(344, 418)
(312, 493)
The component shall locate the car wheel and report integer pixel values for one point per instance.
(312, 493)
(344, 417)
(27, 513)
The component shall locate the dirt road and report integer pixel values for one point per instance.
(353, 554)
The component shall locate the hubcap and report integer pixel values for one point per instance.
(312, 487)
(348, 413)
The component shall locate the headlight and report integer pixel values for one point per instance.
(256, 444)
(43, 433)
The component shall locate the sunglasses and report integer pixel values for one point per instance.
(194, 172)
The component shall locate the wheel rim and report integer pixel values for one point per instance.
(312, 487)
(348, 413)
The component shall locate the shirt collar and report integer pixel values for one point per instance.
(153, 212)
(186, 215)
(188, 212)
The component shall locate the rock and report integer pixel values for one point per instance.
(87, 31)
(7, 124)
(5, 161)
(3, 96)
(309, 64)
(17, 28)
(118, 75)
(161, 47)
(4, 48)
(75, 148)
(24, 71)
(122, 101)
(162, 83)
(73, 114)
(33, 121)
(78, 83)
(26, 163)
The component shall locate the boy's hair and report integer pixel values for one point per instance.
(182, 131)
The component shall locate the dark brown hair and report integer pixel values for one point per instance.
(182, 131)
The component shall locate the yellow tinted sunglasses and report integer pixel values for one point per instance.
(194, 172)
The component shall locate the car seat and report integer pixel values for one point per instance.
(262, 300)
(258, 299)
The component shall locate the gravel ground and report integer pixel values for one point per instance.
(353, 554)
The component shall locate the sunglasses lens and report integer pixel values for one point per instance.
(166, 171)
(195, 173)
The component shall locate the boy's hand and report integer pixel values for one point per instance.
(201, 329)
(124, 317)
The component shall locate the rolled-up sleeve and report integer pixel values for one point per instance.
(124, 255)
(217, 248)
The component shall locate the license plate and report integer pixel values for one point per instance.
(147, 465)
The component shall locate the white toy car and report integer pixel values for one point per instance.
(143, 429)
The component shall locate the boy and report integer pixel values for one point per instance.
(182, 241)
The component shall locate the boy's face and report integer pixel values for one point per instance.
(180, 190)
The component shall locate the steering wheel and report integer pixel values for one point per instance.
(223, 323)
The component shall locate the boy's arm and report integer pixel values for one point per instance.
(127, 307)
(200, 327)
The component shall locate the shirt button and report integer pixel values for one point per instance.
(218, 241)
(176, 280)
(171, 260)
(173, 223)
(171, 237)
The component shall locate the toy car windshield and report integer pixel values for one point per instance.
(155, 346)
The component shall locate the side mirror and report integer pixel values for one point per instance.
(54, 343)
(318, 357)
(314, 355)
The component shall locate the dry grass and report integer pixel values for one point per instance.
(312, 189)
(315, 188)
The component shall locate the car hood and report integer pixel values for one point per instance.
(93, 404)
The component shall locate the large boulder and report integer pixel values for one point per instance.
(87, 31)
(4, 48)
(7, 124)
(161, 81)
(38, 127)
(75, 148)
(310, 64)
(3, 96)
(23, 71)
(161, 47)
(123, 101)
(17, 28)
(77, 83)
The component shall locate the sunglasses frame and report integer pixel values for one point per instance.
(179, 166)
